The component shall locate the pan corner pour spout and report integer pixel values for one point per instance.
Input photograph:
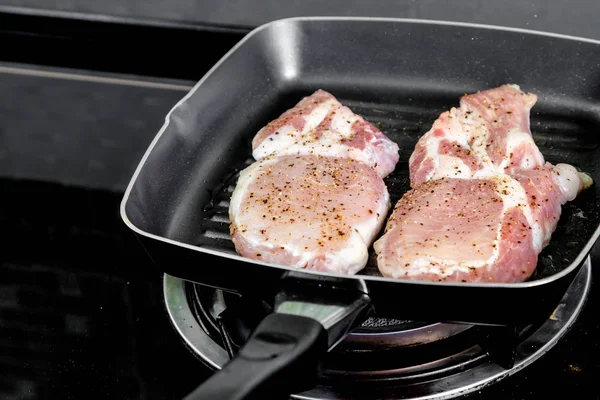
(282, 356)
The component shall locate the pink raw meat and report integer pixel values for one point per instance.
(320, 125)
(483, 202)
(312, 212)
(489, 131)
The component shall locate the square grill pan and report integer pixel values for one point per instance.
(399, 75)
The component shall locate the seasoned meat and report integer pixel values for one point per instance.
(313, 212)
(489, 131)
(483, 202)
(476, 230)
(320, 125)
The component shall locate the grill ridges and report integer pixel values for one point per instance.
(560, 139)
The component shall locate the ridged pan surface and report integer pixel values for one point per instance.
(559, 139)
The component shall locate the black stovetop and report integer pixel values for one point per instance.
(81, 308)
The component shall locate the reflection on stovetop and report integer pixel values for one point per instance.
(81, 312)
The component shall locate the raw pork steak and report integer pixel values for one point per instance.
(489, 131)
(320, 125)
(475, 230)
(484, 202)
(312, 212)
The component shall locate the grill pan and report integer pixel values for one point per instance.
(400, 75)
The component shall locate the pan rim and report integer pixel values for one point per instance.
(361, 278)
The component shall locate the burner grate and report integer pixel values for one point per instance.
(229, 319)
(438, 370)
(377, 323)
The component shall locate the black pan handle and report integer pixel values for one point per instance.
(280, 358)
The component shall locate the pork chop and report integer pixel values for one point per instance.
(483, 202)
(489, 131)
(313, 212)
(320, 125)
(488, 229)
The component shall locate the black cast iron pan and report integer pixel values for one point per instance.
(399, 74)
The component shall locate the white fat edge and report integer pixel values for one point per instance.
(312, 120)
(568, 180)
(514, 139)
(452, 167)
(432, 144)
(353, 257)
(243, 183)
(390, 149)
(458, 123)
(381, 243)
(435, 265)
(343, 121)
(304, 257)
(288, 135)
(515, 197)
(256, 241)
(328, 146)
(478, 137)
(370, 227)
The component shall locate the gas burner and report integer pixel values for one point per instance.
(382, 358)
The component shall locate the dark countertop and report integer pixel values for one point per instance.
(81, 310)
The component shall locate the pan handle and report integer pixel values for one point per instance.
(280, 357)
